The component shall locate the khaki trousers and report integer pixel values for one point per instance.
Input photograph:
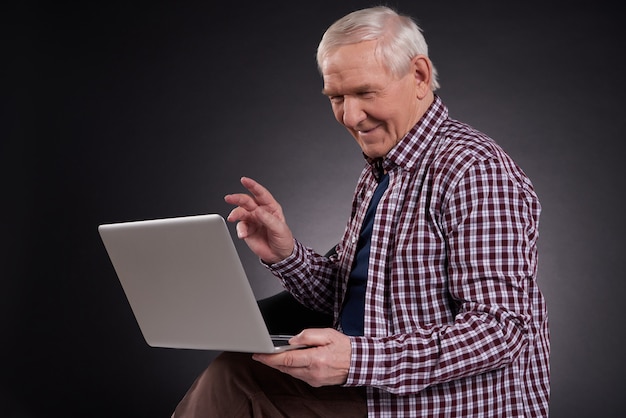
(234, 386)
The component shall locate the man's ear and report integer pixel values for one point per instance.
(423, 70)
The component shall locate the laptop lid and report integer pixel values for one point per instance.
(186, 285)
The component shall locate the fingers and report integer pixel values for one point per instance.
(324, 364)
(242, 211)
(259, 197)
(296, 358)
(260, 222)
(313, 337)
(240, 199)
(243, 230)
(289, 359)
(249, 220)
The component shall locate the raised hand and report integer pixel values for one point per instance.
(260, 222)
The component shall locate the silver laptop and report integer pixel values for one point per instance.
(186, 285)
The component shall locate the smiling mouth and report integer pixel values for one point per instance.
(367, 131)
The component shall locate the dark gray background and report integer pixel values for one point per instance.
(117, 112)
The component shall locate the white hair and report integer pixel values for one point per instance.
(399, 38)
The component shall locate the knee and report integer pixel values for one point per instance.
(219, 389)
(229, 366)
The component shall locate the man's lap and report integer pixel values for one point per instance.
(235, 385)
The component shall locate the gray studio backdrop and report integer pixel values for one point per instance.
(136, 111)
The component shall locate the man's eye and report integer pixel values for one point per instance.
(336, 99)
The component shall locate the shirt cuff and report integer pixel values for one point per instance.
(290, 265)
(362, 368)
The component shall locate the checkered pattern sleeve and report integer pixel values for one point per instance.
(309, 277)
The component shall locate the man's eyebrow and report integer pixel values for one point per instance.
(365, 88)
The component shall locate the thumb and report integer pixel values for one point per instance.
(312, 337)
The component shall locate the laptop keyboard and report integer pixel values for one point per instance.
(280, 340)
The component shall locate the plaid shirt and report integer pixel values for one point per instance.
(455, 324)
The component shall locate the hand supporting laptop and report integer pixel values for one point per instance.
(261, 224)
(326, 363)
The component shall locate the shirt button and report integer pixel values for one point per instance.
(353, 240)
(369, 193)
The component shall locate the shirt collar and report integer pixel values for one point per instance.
(411, 148)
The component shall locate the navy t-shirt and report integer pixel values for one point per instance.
(354, 303)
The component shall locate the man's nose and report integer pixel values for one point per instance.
(353, 113)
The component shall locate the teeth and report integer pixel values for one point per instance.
(365, 131)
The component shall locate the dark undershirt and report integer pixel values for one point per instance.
(352, 313)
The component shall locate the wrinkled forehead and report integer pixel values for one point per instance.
(357, 57)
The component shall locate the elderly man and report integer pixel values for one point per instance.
(437, 310)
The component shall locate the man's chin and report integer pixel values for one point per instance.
(377, 150)
(373, 153)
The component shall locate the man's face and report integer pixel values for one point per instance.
(376, 107)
